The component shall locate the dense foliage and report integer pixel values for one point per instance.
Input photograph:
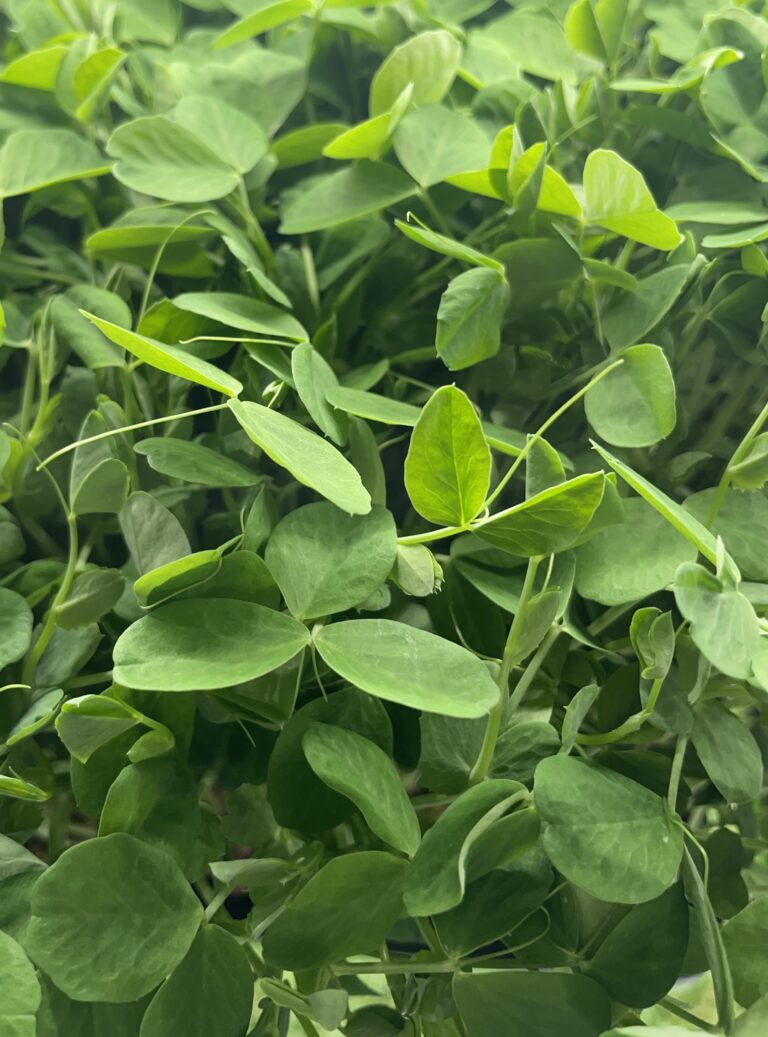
(383, 571)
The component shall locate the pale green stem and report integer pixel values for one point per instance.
(128, 428)
(677, 771)
(49, 625)
(532, 669)
(493, 726)
(630, 725)
(543, 428)
(739, 454)
(434, 534)
(674, 1007)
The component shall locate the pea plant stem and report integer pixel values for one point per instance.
(128, 428)
(493, 726)
(49, 624)
(677, 771)
(543, 428)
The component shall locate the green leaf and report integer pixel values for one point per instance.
(31, 159)
(210, 991)
(652, 633)
(78, 333)
(642, 957)
(162, 158)
(310, 459)
(446, 246)
(531, 1004)
(166, 358)
(226, 131)
(15, 627)
(429, 61)
(722, 621)
(268, 16)
(543, 467)
(433, 143)
(132, 935)
(168, 580)
(616, 567)
(448, 467)
(617, 198)
(728, 752)
(752, 472)
(325, 561)
(469, 317)
(20, 992)
(437, 877)
(164, 651)
(744, 938)
(606, 833)
(740, 521)
(369, 139)
(314, 377)
(547, 523)
(193, 462)
(595, 28)
(243, 313)
(346, 194)
(634, 405)
(637, 311)
(152, 533)
(373, 407)
(339, 758)
(669, 509)
(324, 924)
(103, 490)
(400, 663)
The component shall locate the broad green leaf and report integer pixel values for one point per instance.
(416, 570)
(40, 713)
(298, 797)
(632, 559)
(166, 358)
(433, 143)
(469, 317)
(77, 332)
(634, 405)
(314, 377)
(298, 147)
(728, 752)
(156, 802)
(339, 758)
(537, 270)
(639, 310)
(429, 61)
(103, 490)
(437, 876)
(744, 937)
(164, 651)
(266, 17)
(543, 467)
(210, 991)
(752, 472)
(133, 933)
(309, 458)
(741, 521)
(531, 1004)
(226, 131)
(168, 580)
(346, 194)
(722, 621)
(152, 533)
(547, 523)
(369, 139)
(448, 467)
(669, 509)
(20, 993)
(595, 28)
(94, 593)
(325, 561)
(400, 663)
(606, 833)
(31, 159)
(91, 721)
(373, 407)
(446, 246)
(752, 1022)
(241, 576)
(36, 70)
(15, 627)
(617, 198)
(193, 462)
(324, 923)
(162, 158)
(243, 313)
(642, 957)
